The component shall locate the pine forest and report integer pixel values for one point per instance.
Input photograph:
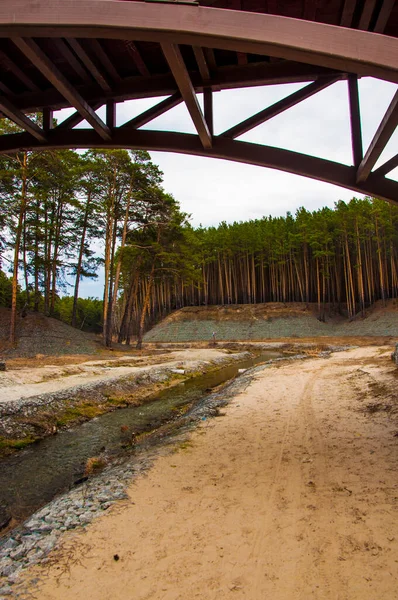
(66, 216)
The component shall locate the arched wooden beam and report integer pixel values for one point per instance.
(223, 148)
(334, 47)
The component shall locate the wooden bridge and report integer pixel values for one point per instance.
(89, 53)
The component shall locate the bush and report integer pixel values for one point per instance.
(5, 290)
(89, 312)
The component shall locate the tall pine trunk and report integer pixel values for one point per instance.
(80, 260)
(21, 216)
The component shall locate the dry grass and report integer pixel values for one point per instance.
(94, 464)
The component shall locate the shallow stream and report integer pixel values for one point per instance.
(36, 474)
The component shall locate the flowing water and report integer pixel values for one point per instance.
(36, 474)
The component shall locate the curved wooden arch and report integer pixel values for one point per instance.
(334, 47)
(306, 51)
(223, 148)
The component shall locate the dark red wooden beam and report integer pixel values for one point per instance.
(366, 15)
(277, 108)
(310, 42)
(202, 64)
(165, 85)
(48, 69)
(184, 83)
(70, 57)
(104, 60)
(384, 15)
(5, 90)
(75, 118)
(348, 13)
(13, 113)
(89, 64)
(11, 66)
(210, 58)
(380, 140)
(224, 148)
(208, 108)
(388, 166)
(153, 112)
(48, 119)
(309, 12)
(355, 120)
(137, 58)
(272, 7)
(111, 114)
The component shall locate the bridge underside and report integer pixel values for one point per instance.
(89, 53)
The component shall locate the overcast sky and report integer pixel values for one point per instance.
(213, 190)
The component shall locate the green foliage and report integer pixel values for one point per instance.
(5, 290)
(344, 257)
(105, 208)
(89, 312)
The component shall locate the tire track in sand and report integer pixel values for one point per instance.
(285, 516)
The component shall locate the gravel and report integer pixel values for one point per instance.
(32, 542)
(40, 335)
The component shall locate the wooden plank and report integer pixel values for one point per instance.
(277, 108)
(355, 119)
(242, 58)
(181, 75)
(208, 108)
(384, 15)
(75, 118)
(10, 65)
(310, 7)
(366, 16)
(137, 58)
(164, 85)
(153, 112)
(89, 64)
(14, 114)
(272, 7)
(48, 119)
(353, 51)
(54, 76)
(70, 58)
(5, 89)
(104, 60)
(388, 166)
(348, 13)
(111, 114)
(202, 64)
(210, 58)
(268, 74)
(380, 140)
(223, 148)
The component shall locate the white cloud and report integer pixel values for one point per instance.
(215, 190)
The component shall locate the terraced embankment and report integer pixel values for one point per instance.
(259, 322)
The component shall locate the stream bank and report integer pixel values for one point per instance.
(290, 494)
(73, 400)
(31, 542)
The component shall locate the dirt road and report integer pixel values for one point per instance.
(291, 495)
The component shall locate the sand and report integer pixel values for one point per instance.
(28, 381)
(291, 495)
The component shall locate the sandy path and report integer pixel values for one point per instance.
(291, 495)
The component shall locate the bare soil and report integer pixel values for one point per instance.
(272, 321)
(44, 336)
(290, 495)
